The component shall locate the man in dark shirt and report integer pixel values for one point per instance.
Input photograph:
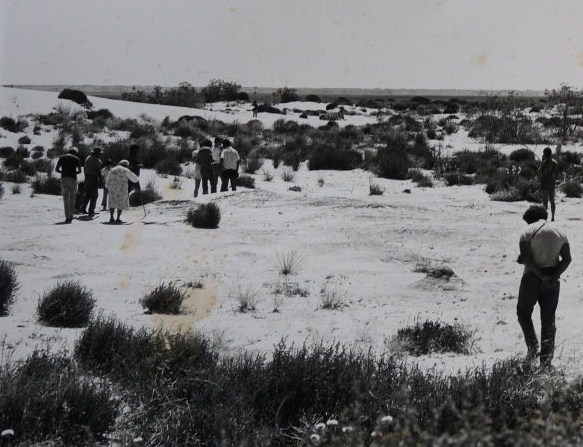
(69, 166)
(92, 180)
(205, 160)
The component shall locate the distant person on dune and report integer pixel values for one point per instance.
(69, 166)
(545, 253)
(205, 160)
(230, 166)
(197, 176)
(548, 173)
(255, 109)
(117, 185)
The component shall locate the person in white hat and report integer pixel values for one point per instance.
(69, 166)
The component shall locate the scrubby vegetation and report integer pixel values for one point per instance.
(46, 185)
(68, 304)
(207, 215)
(9, 285)
(434, 336)
(164, 299)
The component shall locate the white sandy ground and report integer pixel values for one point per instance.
(364, 248)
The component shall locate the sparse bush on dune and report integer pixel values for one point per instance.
(169, 166)
(68, 304)
(422, 180)
(28, 168)
(252, 165)
(375, 189)
(43, 165)
(24, 140)
(326, 157)
(16, 176)
(13, 160)
(146, 195)
(520, 155)
(6, 151)
(46, 185)
(46, 400)
(246, 181)
(288, 175)
(207, 215)
(434, 336)
(164, 299)
(456, 178)
(572, 188)
(9, 285)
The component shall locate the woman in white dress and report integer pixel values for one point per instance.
(117, 187)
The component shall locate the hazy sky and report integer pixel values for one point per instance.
(485, 44)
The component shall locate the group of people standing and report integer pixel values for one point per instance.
(116, 182)
(214, 161)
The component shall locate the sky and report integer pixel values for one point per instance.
(463, 44)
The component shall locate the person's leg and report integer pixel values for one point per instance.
(233, 174)
(196, 186)
(66, 191)
(551, 194)
(205, 182)
(104, 200)
(215, 177)
(118, 220)
(111, 220)
(527, 298)
(548, 306)
(545, 196)
(225, 180)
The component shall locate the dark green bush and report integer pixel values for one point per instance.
(13, 160)
(6, 151)
(9, 285)
(164, 299)
(522, 154)
(252, 165)
(45, 398)
(246, 181)
(16, 176)
(76, 96)
(28, 168)
(68, 304)
(340, 159)
(572, 188)
(455, 178)
(422, 180)
(435, 336)
(46, 185)
(207, 215)
(169, 166)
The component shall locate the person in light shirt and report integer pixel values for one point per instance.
(230, 165)
(545, 253)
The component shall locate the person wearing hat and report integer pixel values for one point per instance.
(117, 185)
(69, 166)
(104, 173)
(92, 181)
(548, 173)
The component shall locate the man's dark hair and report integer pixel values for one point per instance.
(226, 143)
(547, 152)
(206, 143)
(534, 213)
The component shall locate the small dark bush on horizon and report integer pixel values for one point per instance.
(12, 125)
(46, 185)
(24, 140)
(67, 304)
(435, 337)
(207, 215)
(9, 285)
(76, 96)
(164, 299)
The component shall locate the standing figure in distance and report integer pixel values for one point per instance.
(548, 172)
(545, 253)
(117, 185)
(92, 180)
(230, 164)
(69, 166)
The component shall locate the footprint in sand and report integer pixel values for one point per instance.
(131, 240)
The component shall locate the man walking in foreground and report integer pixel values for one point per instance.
(545, 253)
(548, 172)
(69, 166)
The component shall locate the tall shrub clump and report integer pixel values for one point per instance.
(207, 215)
(8, 286)
(68, 304)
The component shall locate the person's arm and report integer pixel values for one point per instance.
(78, 170)
(59, 167)
(132, 177)
(565, 260)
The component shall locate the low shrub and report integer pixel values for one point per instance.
(11, 125)
(13, 160)
(16, 189)
(68, 304)
(288, 175)
(455, 178)
(164, 299)
(46, 398)
(36, 155)
(43, 164)
(9, 285)
(435, 336)
(522, 154)
(420, 179)
(253, 165)
(6, 151)
(146, 195)
(24, 140)
(28, 168)
(101, 113)
(246, 299)
(375, 190)
(46, 185)
(207, 215)
(289, 262)
(572, 188)
(326, 157)
(169, 166)
(16, 176)
(392, 163)
(246, 181)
